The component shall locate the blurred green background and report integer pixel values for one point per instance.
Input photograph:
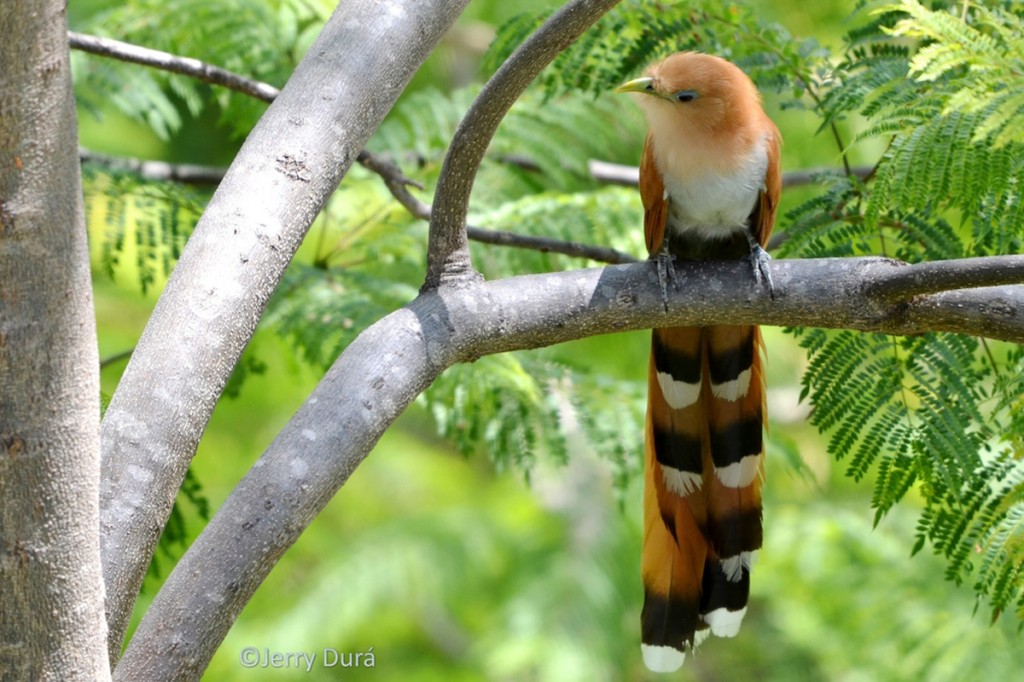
(448, 569)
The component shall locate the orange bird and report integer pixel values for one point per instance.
(710, 182)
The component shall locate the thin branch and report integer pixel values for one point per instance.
(604, 172)
(392, 361)
(802, 178)
(165, 61)
(934, 276)
(448, 250)
(115, 358)
(614, 173)
(629, 176)
(600, 254)
(396, 184)
(185, 66)
(160, 171)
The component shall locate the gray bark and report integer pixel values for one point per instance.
(289, 165)
(381, 372)
(51, 590)
(448, 260)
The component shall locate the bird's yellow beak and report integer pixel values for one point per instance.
(637, 85)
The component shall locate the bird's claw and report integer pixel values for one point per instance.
(666, 273)
(759, 260)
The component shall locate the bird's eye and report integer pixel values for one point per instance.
(650, 87)
(686, 96)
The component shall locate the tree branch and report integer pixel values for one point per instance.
(448, 251)
(287, 168)
(396, 184)
(184, 66)
(601, 254)
(629, 176)
(160, 171)
(51, 581)
(935, 276)
(115, 358)
(390, 363)
(165, 61)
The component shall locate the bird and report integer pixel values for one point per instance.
(710, 180)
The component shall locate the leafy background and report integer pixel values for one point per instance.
(494, 533)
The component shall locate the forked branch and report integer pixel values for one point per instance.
(448, 258)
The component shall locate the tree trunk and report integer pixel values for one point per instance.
(52, 625)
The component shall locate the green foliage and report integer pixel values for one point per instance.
(137, 229)
(917, 412)
(863, 610)
(935, 413)
(507, 406)
(638, 32)
(975, 64)
(913, 409)
(932, 96)
(260, 39)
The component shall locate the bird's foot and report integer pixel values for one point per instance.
(759, 260)
(666, 263)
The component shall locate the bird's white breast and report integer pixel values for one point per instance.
(709, 201)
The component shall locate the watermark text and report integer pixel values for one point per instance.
(328, 657)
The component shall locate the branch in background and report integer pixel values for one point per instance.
(396, 183)
(115, 358)
(160, 171)
(600, 254)
(601, 171)
(391, 362)
(186, 66)
(629, 176)
(448, 257)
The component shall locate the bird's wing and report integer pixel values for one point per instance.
(652, 194)
(768, 202)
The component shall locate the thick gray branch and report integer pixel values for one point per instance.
(290, 163)
(380, 373)
(448, 251)
(935, 276)
(52, 625)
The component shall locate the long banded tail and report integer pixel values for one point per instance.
(702, 493)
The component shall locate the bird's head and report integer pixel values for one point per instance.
(694, 91)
